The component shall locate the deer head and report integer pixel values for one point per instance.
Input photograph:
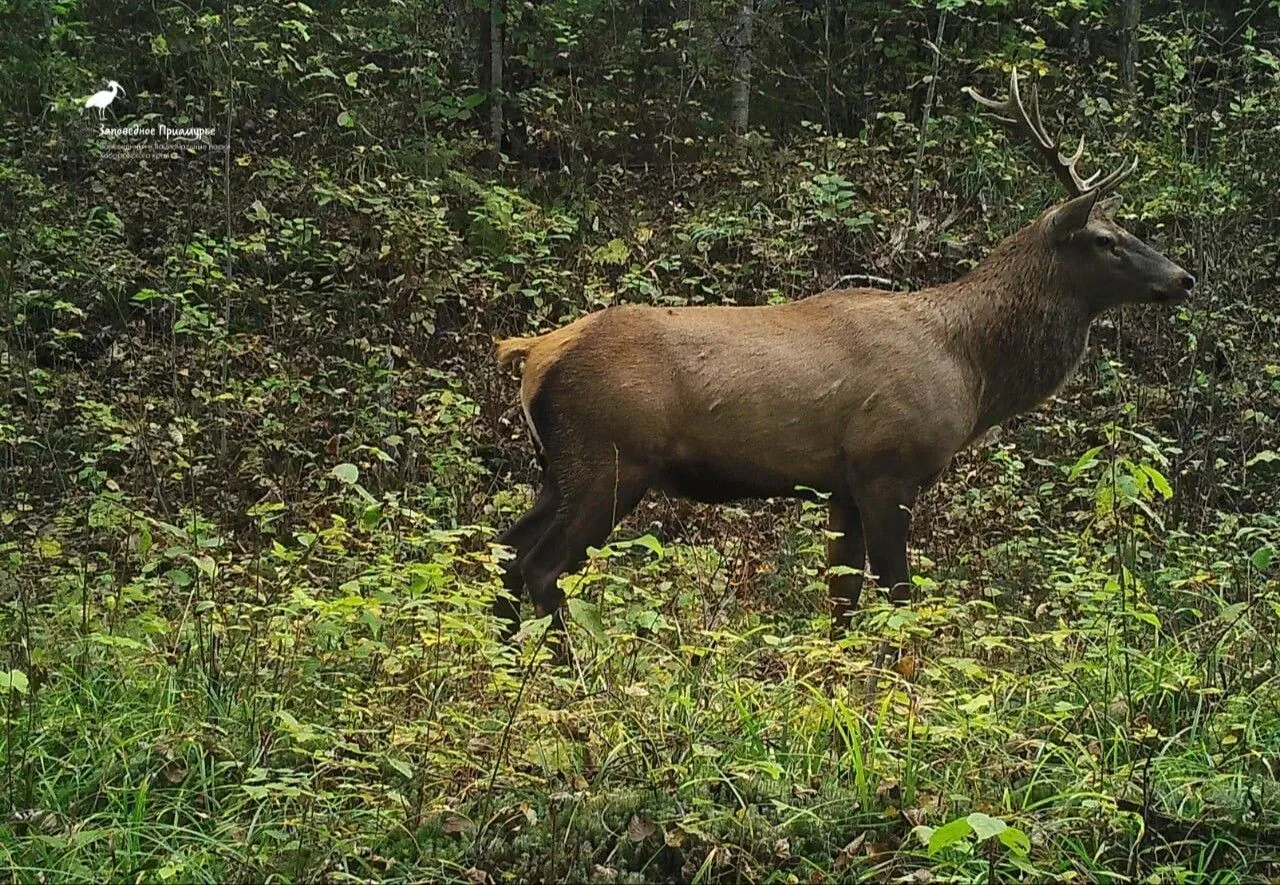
(1100, 259)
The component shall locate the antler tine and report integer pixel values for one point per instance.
(1083, 184)
(1014, 113)
(1001, 110)
(1092, 182)
(1031, 121)
(1114, 180)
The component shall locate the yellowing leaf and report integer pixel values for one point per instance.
(985, 826)
(13, 680)
(48, 548)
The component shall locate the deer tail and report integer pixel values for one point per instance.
(513, 350)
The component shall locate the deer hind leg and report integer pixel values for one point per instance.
(849, 549)
(586, 513)
(521, 537)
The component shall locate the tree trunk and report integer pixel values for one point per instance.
(740, 107)
(1079, 39)
(914, 201)
(496, 125)
(480, 28)
(1131, 16)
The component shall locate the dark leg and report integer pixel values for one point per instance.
(849, 550)
(886, 516)
(582, 519)
(521, 537)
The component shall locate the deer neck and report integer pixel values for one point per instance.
(1019, 331)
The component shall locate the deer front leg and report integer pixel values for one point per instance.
(886, 512)
(847, 549)
(885, 506)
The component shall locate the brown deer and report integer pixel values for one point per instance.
(862, 394)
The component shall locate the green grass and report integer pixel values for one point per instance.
(337, 708)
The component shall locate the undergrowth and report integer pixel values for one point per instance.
(336, 705)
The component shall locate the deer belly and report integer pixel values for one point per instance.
(703, 474)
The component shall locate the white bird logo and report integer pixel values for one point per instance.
(100, 100)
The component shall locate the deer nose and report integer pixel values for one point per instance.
(1187, 282)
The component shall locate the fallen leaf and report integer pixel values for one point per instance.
(454, 824)
(175, 770)
(906, 667)
(639, 830)
(849, 852)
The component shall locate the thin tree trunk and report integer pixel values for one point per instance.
(740, 110)
(480, 28)
(1131, 15)
(496, 124)
(914, 201)
(1079, 42)
(826, 65)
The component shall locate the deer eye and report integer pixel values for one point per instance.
(1104, 241)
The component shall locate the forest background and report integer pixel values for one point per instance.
(253, 446)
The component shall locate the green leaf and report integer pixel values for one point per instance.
(1015, 840)
(1146, 617)
(347, 473)
(13, 680)
(948, 834)
(144, 540)
(652, 543)
(985, 826)
(587, 614)
(613, 252)
(647, 620)
(537, 627)
(1233, 611)
(1087, 460)
(1262, 557)
(179, 577)
(345, 120)
(1264, 457)
(351, 81)
(1157, 479)
(110, 641)
(373, 622)
(401, 767)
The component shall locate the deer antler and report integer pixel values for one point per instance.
(1013, 113)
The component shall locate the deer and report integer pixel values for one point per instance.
(860, 395)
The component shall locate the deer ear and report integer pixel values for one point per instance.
(1071, 216)
(1106, 209)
